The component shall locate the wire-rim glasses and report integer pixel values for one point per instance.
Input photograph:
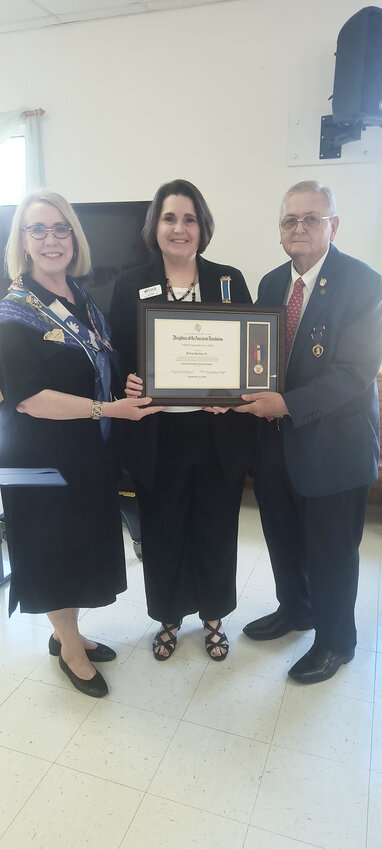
(310, 221)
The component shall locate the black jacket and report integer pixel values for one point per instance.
(235, 435)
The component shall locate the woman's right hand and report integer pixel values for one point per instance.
(133, 388)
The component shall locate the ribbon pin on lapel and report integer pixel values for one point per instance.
(225, 287)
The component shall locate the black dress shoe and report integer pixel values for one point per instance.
(273, 626)
(102, 653)
(318, 664)
(95, 686)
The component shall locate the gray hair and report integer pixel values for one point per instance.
(15, 260)
(311, 186)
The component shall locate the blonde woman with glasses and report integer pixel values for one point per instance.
(57, 375)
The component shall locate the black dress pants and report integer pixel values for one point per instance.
(189, 524)
(313, 545)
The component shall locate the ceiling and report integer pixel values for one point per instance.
(32, 14)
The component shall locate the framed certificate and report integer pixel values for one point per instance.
(209, 354)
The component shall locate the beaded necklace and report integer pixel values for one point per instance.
(191, 288)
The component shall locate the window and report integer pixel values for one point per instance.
(12, 170)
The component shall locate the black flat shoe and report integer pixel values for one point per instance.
(273, 626)
(318, 664)
(95, 686)
(102, 653)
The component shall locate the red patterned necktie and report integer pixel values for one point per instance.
(293, 314)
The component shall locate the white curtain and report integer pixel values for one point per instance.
(15, 123)
(35, 171)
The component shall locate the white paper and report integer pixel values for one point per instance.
(196, 354)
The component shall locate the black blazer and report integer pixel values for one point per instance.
(235, 435)
(331, 440)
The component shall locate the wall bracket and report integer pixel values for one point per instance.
(334, 135)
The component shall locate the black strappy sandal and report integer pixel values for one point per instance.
(169, 645)
(221, 643)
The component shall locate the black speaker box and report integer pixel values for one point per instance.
(358, 74)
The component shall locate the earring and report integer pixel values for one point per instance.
(27, 256)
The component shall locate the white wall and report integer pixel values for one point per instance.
(200, 93)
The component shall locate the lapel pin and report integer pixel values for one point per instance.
(225, 287)
(317, 350)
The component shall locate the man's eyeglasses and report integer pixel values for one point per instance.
(38, 231)
(311, 221)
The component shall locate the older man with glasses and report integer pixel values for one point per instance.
(319, 446)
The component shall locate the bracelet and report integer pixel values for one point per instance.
(96, 412)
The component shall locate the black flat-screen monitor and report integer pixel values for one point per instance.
(113, 231)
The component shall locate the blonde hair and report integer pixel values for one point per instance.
(16, 261)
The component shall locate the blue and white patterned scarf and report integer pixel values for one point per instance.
(58, 325)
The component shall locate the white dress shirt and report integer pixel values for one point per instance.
(178, 292)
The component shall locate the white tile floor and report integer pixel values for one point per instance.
(191, 753)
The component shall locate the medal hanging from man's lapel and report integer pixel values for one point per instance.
(317, 334)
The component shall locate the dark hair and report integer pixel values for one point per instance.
(203, 214)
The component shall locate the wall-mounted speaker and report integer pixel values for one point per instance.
(358, 74)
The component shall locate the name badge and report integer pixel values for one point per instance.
(150, 291)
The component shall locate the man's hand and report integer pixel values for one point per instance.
(269, 405)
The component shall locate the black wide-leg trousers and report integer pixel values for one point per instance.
(189, 524)
(313, 545)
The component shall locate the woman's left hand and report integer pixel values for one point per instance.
(215, 410)
(133, 388)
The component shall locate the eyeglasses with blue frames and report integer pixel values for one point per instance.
(38, 231)
(310, 221)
